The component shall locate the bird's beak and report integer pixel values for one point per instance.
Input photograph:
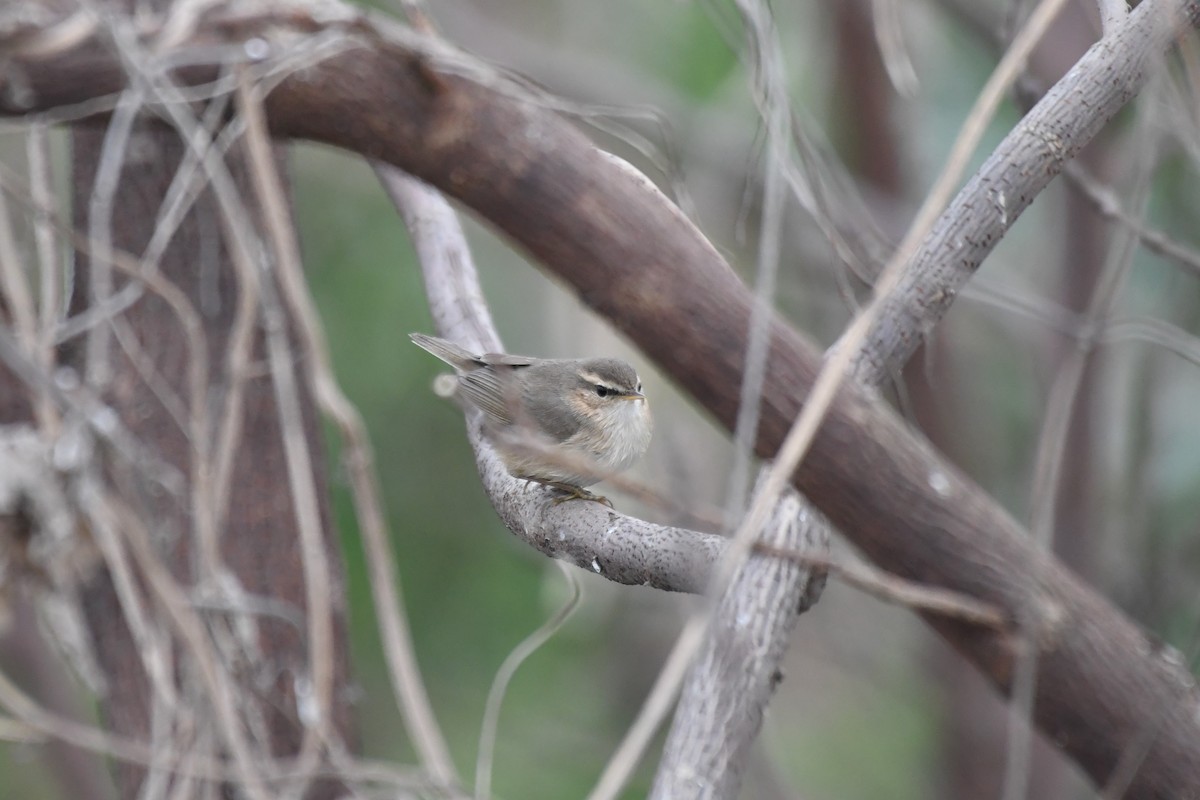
(633, 396)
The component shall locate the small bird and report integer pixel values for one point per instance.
(564, 423)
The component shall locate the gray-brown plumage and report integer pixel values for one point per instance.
(563, 422)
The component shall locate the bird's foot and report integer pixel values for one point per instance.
(573, 492)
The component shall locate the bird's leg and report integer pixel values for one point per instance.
(572, 492)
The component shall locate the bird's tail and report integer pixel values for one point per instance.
(447, 351)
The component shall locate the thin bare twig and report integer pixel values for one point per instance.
(40, 723)
(771, 96)
(50, 306)
(18, 298)
(213, 674)
(150, 83)
(359, 459)
(1052, 441)
(154, 646)
(889, 38)
(895, 590)
(314, 560)
(237, 370)
(35, 723)
(1106, 201)
(528, 646)
(14, 286)
(100, 205)
(15, 290)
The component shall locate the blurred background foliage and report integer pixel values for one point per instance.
(872, 702)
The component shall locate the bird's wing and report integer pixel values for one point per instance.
(505, 360)
(492, 391)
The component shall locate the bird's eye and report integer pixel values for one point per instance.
(602, 390)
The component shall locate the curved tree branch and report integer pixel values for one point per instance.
(1100, 84)
(419, 106)
(735, 673)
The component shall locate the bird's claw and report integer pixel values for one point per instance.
(574, 492)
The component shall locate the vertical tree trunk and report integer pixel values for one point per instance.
(258, 538)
